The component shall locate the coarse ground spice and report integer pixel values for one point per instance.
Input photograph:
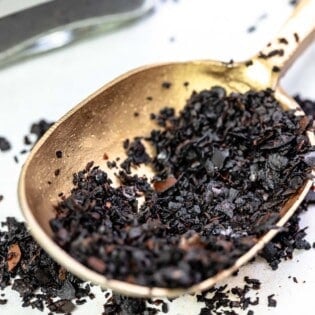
(233, 160)
(27, 269)
(284, 243)
(4, 144)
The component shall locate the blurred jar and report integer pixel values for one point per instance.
(31, 27)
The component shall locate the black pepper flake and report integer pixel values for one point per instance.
(295, 280)
(249, 63)
(58, 154)
(296, 37)
(16, 159)
(185, 84)
(136, 114)
(4, 144)
(149, 98)
(3, 301)
(271, 301)
(1, 197)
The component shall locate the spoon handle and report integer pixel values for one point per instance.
(295, 35)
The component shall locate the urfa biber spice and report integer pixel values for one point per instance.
(4, 144)
(17, 238)
(27, 269)
(224, 166)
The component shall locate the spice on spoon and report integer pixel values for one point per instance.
(235, 160)
(284, 244)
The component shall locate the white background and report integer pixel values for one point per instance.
(48, 86)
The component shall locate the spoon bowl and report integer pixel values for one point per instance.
(100, 123)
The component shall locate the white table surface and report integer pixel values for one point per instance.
(50, 85)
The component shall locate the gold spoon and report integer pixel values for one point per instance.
(100, 123)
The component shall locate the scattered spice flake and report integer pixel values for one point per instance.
(276, 69)
(111, 164)
(272, 53)
(306, 104)
(105, 156)
(161, 186)
(186, 83)
(61, 307)
(59, 154)
(271, 301)
(136, 114)
(136, 155)
(1, 197)
(36, 272)
(296, 37)
(91, 295)
(4, 144)
(283, 40)
(251, 29)
(164, 307)
(14, 256)
(27, 140)
(295, 280)
(149, 98)
(16, 159)
(166, 85)
(3, 301)
(39, 128)
(122, 305)
(249, 63)
(57, 172)
(282, 246)
(254, 282)
(80, 302)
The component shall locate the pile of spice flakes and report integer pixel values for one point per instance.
(254, 145)
(225, 165)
